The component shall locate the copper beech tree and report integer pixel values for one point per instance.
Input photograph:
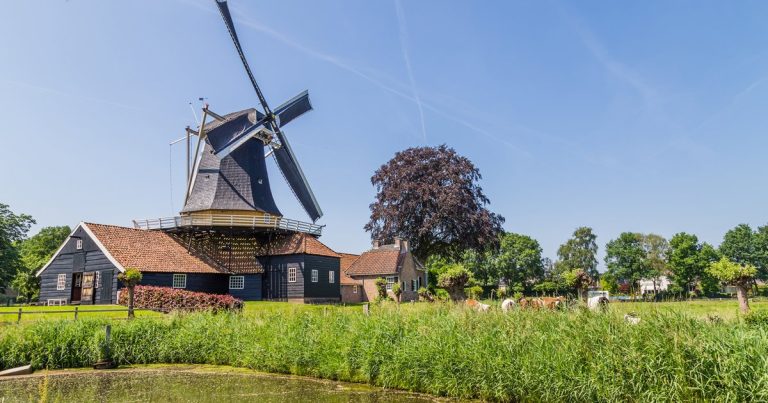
(431, 197)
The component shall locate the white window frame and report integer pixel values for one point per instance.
(414, 285)
(61, 282)
(331, 277)
(292, 274)
(179, 281)
(238, 283)
(315, 275)
(78, 244)
(391, 280)
(354, 289)
(97, 280)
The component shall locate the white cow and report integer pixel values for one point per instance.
(508, 304)
(597, 303)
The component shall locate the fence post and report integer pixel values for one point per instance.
(76, 308)
(19, 318)
(365, 310)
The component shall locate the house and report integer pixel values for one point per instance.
(351, 289)
(652, 285)
(393, 262)
(289, 267)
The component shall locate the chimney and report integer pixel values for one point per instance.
(404, 245)
(397, 243)
(375, 244)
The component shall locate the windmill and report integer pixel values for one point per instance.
(229, 173)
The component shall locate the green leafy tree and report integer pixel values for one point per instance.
(579, 281)
(13, 229)
(518, 260)
(626, 258)
(609, 282)
(453, 280)
(481, 266)
(744, 246)
(579, 252)
(130, 278)
(35, 253)
(688, 260)
(381, 288)
(656, 249)
(737, 275)
(397, 290)
(760, 240)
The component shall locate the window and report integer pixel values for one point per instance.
(79, 244)
(97, 280)
(179, 281)
(314, 276)
(391, 280)
(414, 285)
(61, 281)
(291, 274)
(331, 277)
(236, 282)
(354, 289)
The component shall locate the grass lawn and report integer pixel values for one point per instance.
(725, 309)
(10, 314)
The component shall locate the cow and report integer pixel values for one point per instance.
(597, 303)
(479, 306)
(508, 304)
(551, 302)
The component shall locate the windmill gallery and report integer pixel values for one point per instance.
(230, 236)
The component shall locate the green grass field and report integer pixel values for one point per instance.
(34, 313)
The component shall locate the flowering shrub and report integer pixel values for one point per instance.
(168, 299)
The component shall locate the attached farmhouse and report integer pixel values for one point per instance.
(351, 289)
(393, 262)
(295, 267)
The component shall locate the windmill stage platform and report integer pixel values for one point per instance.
(265, 222)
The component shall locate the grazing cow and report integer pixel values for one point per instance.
(508, 304)
(551, 302)
(631, 318)
(597, 303)
(479, 306)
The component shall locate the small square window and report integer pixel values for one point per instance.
(391, 280)
(236, 282)
(79, 244)
(314, 276)
(331, 276)
(354, 289)
(179, 281)
(291, 274)
(61, 282)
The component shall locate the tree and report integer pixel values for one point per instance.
(760, 240)
(35, 253)
(431, 196)
(130, 278)
(744, 246)
(625, 258)
(738, 275)
(481, 265)
(579, 281)
(13, 229)
(518, 260)
(453, 280)
(656, 249)
(381, 288)
(579, 252)
(397, 291)
(688, 260)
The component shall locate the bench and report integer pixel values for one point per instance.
(56, 301)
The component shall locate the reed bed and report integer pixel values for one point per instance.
(439, 349)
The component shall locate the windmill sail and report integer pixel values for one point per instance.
(293, 174)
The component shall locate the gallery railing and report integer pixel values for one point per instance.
(226, 220)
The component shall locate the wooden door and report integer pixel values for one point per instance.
(105, 288)
(87, 289)
(77, 286)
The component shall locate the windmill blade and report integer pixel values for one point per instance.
(293, 108)
(293, 174)
(223, 145)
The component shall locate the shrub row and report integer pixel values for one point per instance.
(438, 349)
(169, 299)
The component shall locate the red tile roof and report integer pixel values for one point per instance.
(148, 251)
(376, 262)
(300, 243)
(346, 261)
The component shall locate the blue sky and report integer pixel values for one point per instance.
(624, 116)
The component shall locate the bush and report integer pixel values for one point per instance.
(757, 318)
(169, 299)
(474, 292)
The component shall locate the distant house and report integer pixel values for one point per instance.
(657, 284)
(351, 289)
(295, 267)
(395, 263)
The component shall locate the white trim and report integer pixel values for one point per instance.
(331, 277)
(63, 244)
(103, 249)
(292, 271)
(173, 280)
(354, 289)
(61, 285)
(78, 244)
(315, 275)
(241, 282)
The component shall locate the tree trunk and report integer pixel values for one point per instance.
(741, 295)
(456, 293)
(130, 303)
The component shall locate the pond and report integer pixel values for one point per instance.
(188, 384)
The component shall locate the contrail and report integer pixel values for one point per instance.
(406, 57)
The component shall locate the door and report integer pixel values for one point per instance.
(275, 287)
(105, 287)
(86, 295)
(77, 286)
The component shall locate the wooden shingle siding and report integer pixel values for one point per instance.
(48, 279)
(210, 283)
(276, 285)
(251, 290)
